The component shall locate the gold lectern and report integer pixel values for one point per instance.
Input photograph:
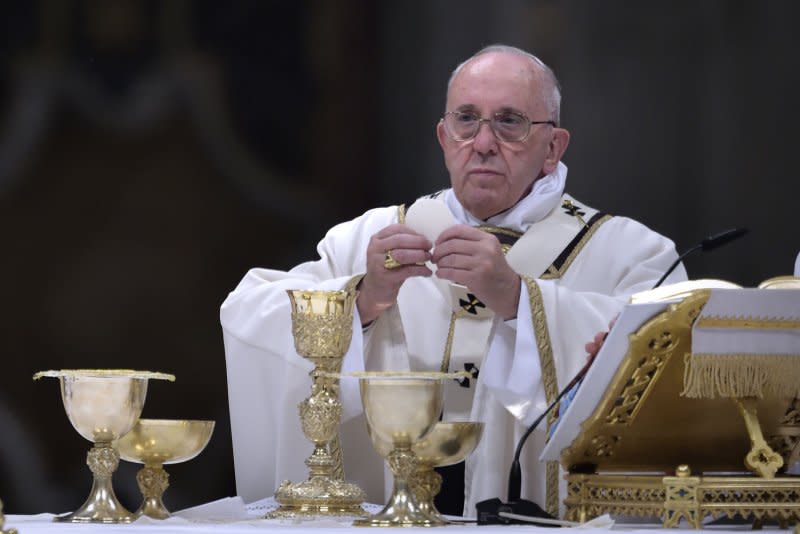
(653, 448)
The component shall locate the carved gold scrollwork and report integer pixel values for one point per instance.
(402, 462)
(628, 401)
(152, 481)
(102, 459)
(425, 483)
(683, 496)
(761, 459)
(650, 349)
(603, 445)
(786, 439)
(682, 499)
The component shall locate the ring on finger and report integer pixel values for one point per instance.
(389, 262)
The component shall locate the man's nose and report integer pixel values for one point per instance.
(485, 140)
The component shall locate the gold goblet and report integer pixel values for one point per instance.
(3, 522)
(155, 443)
(322, 327)
(447, 444)
(400, 410)
(103, 405)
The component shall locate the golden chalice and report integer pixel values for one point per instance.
(401, 408)
(155, 443)
(3, 522)
(103, 405)
(447, 444)
(322, 327)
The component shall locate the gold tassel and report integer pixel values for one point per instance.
(741, 375)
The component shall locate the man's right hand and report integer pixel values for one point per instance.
(379, 287)
(593, 347)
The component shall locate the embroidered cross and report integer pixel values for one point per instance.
(572, 209)
(471, 305)
(472, 370)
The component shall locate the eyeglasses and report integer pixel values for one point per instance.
(507, 125)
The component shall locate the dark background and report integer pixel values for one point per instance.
(152, 152)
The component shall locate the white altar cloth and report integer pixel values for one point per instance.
(232, 516)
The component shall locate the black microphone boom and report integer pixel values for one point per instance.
(709, 243)
(515, 476)
(489, 510)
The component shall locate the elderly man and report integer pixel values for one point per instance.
(523, 277)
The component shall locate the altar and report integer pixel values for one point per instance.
(232, 516)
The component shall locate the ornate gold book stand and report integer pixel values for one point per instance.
(650, 450)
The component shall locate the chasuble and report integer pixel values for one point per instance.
(578, 268)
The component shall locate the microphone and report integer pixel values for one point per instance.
(493, 511)
(709, 243)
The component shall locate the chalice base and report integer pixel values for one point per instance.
(402, 510)
(429, 509)
(101, 506)
(318, 497)
(153, 508)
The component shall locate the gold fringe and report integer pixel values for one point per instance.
(741, 375)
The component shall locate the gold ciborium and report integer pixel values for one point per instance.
(155, 443)
(322, 326)
(401, 408)
(103, 405)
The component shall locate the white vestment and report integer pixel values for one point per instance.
(521, 362)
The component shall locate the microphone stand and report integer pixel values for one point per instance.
(492, 511)
(709, 243)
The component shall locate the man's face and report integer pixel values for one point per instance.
(489, 175)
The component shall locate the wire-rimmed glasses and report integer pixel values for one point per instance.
(508, 126)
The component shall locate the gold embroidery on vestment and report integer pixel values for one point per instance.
(553, 272)
(500, 230)
(401, 214)
(549, 379)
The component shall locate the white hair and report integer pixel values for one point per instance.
(551, 90)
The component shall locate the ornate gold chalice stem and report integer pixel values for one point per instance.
(447, 444)
(3, 522)
(102, 405)
(401, 410)
(322, 327)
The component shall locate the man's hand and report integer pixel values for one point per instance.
(473, 258)
(379, 287)
(593, 347)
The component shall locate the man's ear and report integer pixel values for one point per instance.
(556, 149)
(441, 135)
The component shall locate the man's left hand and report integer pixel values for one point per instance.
(473, 258)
